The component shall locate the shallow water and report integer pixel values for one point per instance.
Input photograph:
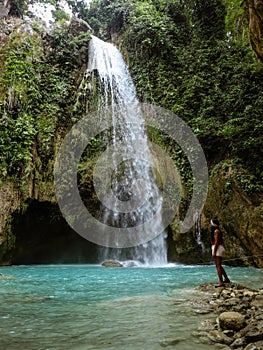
(84, 307)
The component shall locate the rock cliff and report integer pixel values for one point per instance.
(240, 215)
(5, 7)
(32, 229)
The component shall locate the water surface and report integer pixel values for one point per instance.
(84, 307)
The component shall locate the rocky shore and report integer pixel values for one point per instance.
(238, 320)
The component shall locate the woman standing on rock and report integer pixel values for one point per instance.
(218, 252)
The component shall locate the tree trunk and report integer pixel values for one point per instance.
(256, 26)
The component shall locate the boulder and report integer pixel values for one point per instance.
(231, 320)
(111, 263)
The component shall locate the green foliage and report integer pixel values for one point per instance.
(193, 58)
(69, 49)
(153, 32)
(107, 16)
(18, 7)
(207, 18)
(60, 15)
(18, 91)
(234, 173)
(17, 137)
(79, 8)
(36, 96)
(236, 20)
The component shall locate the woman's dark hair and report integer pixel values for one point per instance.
(214, 226)
(215, 222)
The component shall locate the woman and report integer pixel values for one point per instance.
(218, 252)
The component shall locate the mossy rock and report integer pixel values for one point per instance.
(111, 263)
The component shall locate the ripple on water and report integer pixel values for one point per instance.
(84, 307)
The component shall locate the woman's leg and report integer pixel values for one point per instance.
(227, 280)
(219, 268)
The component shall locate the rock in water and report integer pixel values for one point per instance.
(111, 263)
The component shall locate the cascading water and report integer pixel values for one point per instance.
(198, 231)
(117, 103)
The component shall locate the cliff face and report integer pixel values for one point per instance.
(39, 71)
(42, 71)
(256, 26)
(240, 215)
(5, 7)
(10, 201)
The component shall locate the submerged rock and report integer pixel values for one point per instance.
(219, 337)
(130, 263)
(170, 341)
(7, 277)
(111, 263)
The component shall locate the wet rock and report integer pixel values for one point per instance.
(7, 277)
(205, 340)
(130, 263)
(249, 293)
(231, 320)
(78, 25)
(229, 332)
(255, 346)
(202, 312)
(258, 301)
(170, 341)
(255, 334)
(219, 337)
(111, 263)
(232, 329)
(206, 325)
(237, 343)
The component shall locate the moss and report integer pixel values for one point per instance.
(239, 214)
(37, 94)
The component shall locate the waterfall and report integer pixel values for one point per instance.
(198, 231)
(133, 196)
